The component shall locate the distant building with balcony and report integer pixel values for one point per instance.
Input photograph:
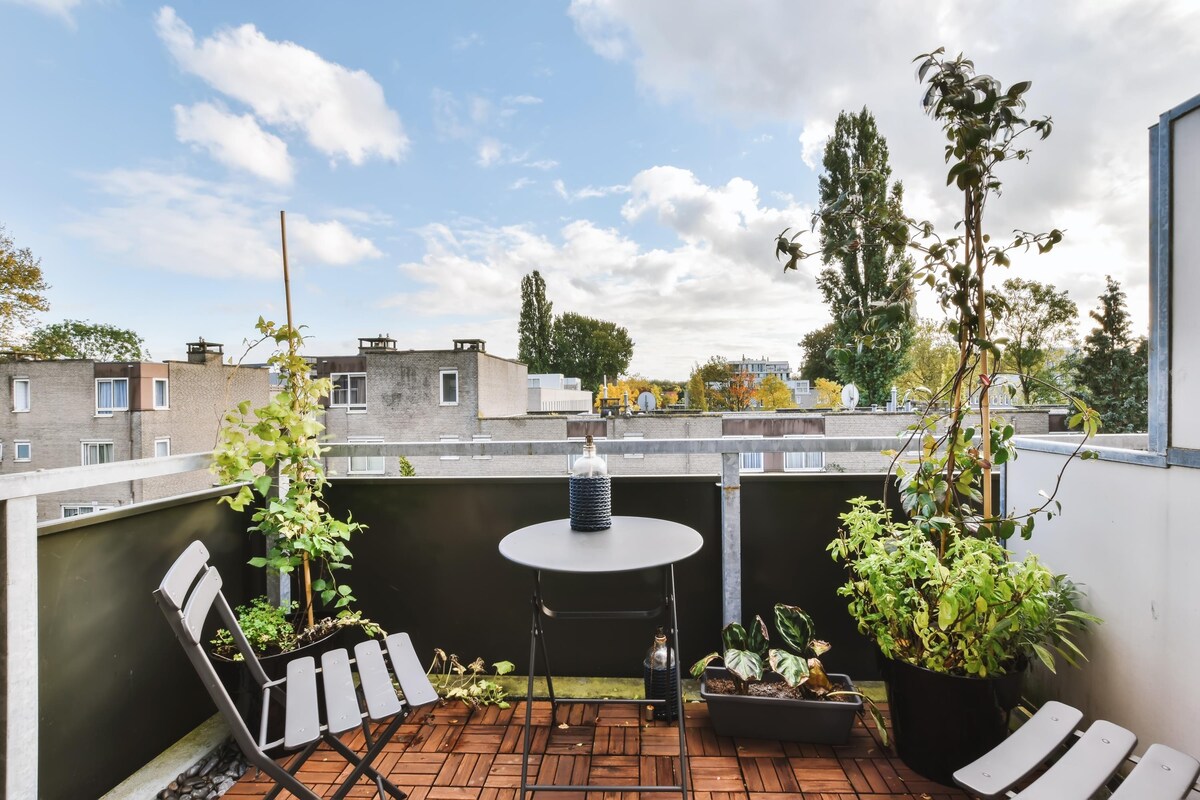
(70, 413)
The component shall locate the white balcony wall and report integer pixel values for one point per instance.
(1128, 532)
(1185, 282)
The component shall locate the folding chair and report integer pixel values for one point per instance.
(189, 592)
(1161, 774)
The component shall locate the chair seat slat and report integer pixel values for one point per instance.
(1022, 752)
(341, 702)
(413, 680)
(302, 722)
(1086, 767)
(376, 681)
(1162, 774)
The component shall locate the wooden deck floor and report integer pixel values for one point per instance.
(447, 754)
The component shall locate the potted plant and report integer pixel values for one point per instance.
(780, 692)
(955, 616)
(280, 440)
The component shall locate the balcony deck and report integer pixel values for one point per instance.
(448, 754)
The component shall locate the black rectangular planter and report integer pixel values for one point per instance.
(813, 721)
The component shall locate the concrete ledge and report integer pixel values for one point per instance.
(151, 779)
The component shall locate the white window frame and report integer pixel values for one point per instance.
(28, 395)
(108, 412)
(448, 438)
(162, 440)
(97, 443)
(481, 437)
(83, 508)
(368, 465)
(573, 457)
(807, 458)
(634, 436)
(353, 408)
(804, 386)
(442, 373)
(749, 462)
(17, 451)
(166, 394)
(1, 451)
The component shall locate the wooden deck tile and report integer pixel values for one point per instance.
(455, 753)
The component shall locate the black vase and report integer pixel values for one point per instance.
(943, 722)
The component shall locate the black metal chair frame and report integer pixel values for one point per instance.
(189, 592)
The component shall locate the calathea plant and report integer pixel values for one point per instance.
(750, 659)
(280, 440)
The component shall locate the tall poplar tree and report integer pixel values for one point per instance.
(536, 326)
(863, 270)
(1113, 374)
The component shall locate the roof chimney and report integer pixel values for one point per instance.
(470, 344)
(202, 352)
(376, 344)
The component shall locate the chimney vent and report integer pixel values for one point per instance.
(376, 344)
(470, 344)
(202, 352)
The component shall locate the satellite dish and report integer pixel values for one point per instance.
(646, 401)
(849, 395)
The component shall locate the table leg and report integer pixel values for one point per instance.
(528, 738)
(541, 637)
(683, 765)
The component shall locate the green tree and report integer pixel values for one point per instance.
(864, 267)
(932, 360)
(773, 393)
(590, 349)
(22, 289)
(715, 375)
(536, 326)
(1113, 373)
(818, 362)
(696, 391)
(75, 338)
(1036, 319)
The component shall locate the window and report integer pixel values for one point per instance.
(635, 436)
(366, 465)
(449, 382)
(750, 462)
(349, 391)
(97, 453)
(162, 447)
(162, 394)
(75, 509)
(481, 437)
(803, 462)
(20, 389)
(22, 451)
(803, 387)
(112, 394)
(448, 439)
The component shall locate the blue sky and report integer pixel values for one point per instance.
(641, 155)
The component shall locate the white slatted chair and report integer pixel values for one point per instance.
(192, 588)
(1161, 774)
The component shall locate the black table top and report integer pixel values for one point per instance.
(631, 543)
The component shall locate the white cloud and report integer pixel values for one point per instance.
(178, 223)
(330, 242)
(63, 9)
(812, 142)
(466, 41)
(588, 192)
(523, 100)
(1104, 71)
(542, 164)
(342, 112)
(521, 183)
(490, 152)
(236, 141)
(697, 291)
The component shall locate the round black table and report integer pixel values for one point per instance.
(632, 543)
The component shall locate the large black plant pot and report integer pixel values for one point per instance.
(944, 722)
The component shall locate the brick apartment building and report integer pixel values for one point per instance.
(70, 413)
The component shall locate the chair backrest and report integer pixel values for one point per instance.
(188, 593)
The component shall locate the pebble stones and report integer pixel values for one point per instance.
(211, 777)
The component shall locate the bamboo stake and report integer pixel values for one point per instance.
(287, 294)
(985, 404)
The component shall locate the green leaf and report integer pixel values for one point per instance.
(947, 611)
(795, 627)
(793, 668)
(757, 637)
(698, 668)
(746, 665)
(734, 637)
